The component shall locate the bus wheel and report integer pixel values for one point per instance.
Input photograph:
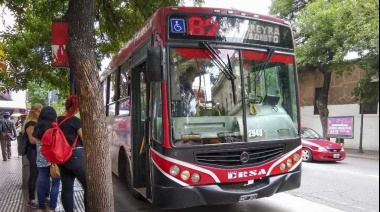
(306, 155)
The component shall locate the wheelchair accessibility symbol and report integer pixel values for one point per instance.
(177, 25)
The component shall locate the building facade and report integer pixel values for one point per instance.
(13, 102)
(340, 103)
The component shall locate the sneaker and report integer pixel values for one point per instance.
(32, 204)
(47, 200)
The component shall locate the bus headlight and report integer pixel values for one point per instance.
(174, 170)
(282, 166)
(195, 178)
(185, 175)
(296, 157)
(289, 162)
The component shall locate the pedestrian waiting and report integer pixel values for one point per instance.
(7, 134)
(74, 167)
(31, 154)
(47, 116)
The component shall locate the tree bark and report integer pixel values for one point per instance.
(82, 62)
(323, 100)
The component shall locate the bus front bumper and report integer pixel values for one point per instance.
(184, 197)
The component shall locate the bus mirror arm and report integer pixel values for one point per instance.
(155, 64)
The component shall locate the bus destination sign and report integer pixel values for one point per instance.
(229, 29)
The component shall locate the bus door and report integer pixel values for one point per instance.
(140, 98)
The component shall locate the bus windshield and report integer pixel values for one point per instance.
(229, 95)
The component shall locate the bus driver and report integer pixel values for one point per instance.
(186, 91)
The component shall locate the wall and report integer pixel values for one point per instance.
(370, 139)
(18, 102)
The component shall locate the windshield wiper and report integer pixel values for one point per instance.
(226, 69)
(266, 62)
(232, 81)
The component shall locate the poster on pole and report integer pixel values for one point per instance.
(59, 38)
(340, 127)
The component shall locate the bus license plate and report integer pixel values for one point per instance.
(248, 197)
(336, 156)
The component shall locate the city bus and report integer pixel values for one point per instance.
(202, 108)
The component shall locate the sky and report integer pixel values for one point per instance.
(254, 6)
(5, 18)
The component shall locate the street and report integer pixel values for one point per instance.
(351, 185)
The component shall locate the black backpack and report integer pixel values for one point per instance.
(24, 143)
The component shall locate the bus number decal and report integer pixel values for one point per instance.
(203, 27)
(255, 133)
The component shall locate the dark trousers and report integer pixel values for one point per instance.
(31, 154)
(6, 148)
(73, 168)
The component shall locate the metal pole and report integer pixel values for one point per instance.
(361, 129)
(49, 96)
(72, 86)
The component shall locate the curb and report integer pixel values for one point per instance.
(363, 156)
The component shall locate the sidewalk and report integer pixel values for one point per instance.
(13, 196)
(367, 154)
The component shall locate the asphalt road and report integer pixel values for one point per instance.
(351, 185)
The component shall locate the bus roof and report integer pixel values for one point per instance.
(156, 23)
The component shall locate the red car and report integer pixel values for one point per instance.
(315, 147)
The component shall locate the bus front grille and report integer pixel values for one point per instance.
(239, 157)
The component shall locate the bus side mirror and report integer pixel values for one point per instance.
(155, 64)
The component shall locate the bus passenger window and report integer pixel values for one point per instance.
(157, 129)
(111, 110)
(112, 96)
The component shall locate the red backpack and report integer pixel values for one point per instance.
(54, 146)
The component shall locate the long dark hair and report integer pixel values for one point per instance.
(46, 118)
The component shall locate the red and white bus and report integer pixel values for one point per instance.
(202, 108)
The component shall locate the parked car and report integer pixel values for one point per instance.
(315, 147)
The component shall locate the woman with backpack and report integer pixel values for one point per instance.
(45, 120)
(74, 167)
(31, 154)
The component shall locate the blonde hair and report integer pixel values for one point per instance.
(33, 114)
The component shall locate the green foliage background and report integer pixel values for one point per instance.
(27, 45)
(326, 31)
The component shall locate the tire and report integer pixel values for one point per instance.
(125, 174)
(306, 155)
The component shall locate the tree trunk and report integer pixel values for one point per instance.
(323, 100)
(80, 49)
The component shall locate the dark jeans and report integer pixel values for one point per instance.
(31, 154)
(44, 181)
(73, 168)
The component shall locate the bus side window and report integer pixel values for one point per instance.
(125, 93)
(157, 131)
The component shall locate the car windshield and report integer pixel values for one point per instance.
(310, 133)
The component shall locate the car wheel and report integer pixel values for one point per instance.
(306, 155)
